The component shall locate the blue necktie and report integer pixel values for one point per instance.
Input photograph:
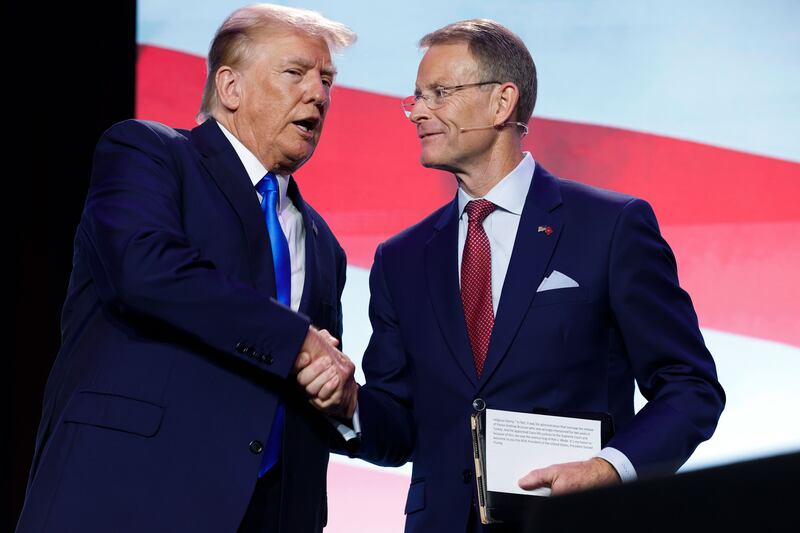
(268, 187)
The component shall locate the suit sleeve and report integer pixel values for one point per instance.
(341, 432)
(674, 370)
(385, 406)
(144, 265)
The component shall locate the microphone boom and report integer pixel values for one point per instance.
(503, 125)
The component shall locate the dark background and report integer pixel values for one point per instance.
(70, 75)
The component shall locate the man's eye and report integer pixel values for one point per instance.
(294, 72)
(440, 92)
(327, 82)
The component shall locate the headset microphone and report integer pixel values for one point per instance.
(475, 128)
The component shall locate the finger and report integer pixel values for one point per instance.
(330, 338)
(313, 371)
(349, 366)
(331, 391)
(341, 403)
(313, 388)
(302, 361)
(323, 406)
(344, 362)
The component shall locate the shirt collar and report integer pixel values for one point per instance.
(510, 192)
(255, 170)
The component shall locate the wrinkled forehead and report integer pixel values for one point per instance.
(444, 65)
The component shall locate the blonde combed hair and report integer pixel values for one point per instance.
(232, 44)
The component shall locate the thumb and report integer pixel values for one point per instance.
(542, 477)
(302, 361)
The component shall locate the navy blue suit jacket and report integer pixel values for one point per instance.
(565, 349)
(174, 353)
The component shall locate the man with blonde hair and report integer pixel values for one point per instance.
(199, 275)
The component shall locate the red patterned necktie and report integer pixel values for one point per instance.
(476, 282)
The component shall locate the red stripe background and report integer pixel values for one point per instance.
(731, 217)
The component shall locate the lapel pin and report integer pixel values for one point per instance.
(547, 230)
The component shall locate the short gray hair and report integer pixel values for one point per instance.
(500, 54)
(232, 44)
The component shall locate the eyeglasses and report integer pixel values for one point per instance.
(438, 98)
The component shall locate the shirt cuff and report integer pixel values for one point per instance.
(620, 462)
(346, 431)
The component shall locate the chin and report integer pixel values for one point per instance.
(434, 161)
(428, 159)
(298, 155)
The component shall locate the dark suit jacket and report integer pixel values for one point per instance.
(565, 349)
(173, 353)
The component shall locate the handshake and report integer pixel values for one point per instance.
(326, 374)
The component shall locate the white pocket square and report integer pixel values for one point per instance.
(556, 280)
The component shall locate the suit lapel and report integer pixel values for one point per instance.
(312, 283)
(226, 170)
(441, 269)
(529, 260)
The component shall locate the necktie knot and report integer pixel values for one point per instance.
(478, 210)
(267, 184)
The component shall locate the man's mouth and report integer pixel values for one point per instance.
(307, 125)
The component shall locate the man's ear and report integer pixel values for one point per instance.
(229, 87)
(506, 103)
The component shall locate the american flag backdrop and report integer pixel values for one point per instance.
(692, 106)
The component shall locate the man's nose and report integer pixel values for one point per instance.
(419, 111)
(317, 91)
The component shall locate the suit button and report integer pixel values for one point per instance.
(478, 404)
(466, 475)
(240, 347)
(257, 354)
(256, 446)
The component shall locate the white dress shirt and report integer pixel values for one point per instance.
(501, 228)
(501, 224)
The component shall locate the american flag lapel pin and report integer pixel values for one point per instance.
(547, 230)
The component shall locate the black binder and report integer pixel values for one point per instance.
(498, 507)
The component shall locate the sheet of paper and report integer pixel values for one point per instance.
(517, 443)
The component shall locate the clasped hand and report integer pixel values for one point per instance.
(326, 374)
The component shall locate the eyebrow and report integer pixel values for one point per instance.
(308, 65)
(433, 85)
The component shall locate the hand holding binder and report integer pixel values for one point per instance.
(570, 477)
(507, 444)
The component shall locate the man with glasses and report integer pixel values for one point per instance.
(526, 291)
